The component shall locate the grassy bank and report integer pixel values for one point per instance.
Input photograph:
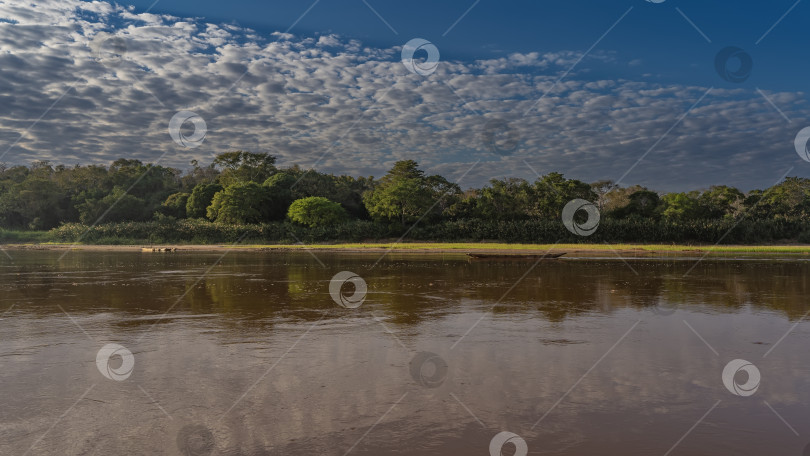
(467, 246)
(24, 237)
(743, 236)
(636, 231)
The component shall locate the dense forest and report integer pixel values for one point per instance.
(244, 195)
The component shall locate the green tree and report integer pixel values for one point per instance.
(279, 193)
(682, 206)
(175, 205)
(345, 190)
(316, 211)
(788, 199)
(240, 203)
(643, 204)
(553, 191)
(198, 175)
(405, 194)
(33, 203)
(200, 198)
(635, 201)
(507, 199)
(401, 200)
(721, 201)
(118, 206)
(241, 167)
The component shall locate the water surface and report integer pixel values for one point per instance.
(248, 354)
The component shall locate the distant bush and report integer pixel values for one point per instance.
(472, 230)
(205, 232)
(316, 211)
(612, 230)
(16, 236)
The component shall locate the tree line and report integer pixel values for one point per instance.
(248, 188)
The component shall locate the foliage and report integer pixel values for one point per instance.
(641, 203)
(316, 211)
(721, 201)
(747, 231)
(790, 198)
(117, 206)
(175, 205)
(200, 198)
(42, 196)
(129, 200)
(553, 191)
(240, 203)
(243, 167)
(26, 236)
(405, 195)
(681, 206)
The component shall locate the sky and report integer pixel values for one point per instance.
(674, 95)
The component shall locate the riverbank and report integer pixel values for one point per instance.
(446, 247)
(359, 233)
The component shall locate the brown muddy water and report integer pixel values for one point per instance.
(250, 354)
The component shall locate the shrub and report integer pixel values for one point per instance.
(316, 211)
(466, 230)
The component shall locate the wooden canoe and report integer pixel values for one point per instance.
(507, 256)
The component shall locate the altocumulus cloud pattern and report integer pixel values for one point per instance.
(345, 106)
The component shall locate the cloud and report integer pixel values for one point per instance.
(336, 104)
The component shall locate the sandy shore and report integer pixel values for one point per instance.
(276, 248)
(445, 248)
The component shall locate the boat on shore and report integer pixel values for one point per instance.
(507, 256)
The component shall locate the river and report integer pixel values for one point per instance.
(248, 353)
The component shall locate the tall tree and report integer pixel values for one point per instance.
(788, 199)
(721, 201)
(240, 166)
(405, 194)
(602, 190)
(507, 199)
(682, 206)
(240, 203)
(553, 191)
(175, 205)
(118, 206)
(200, 198)
(198, 175)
